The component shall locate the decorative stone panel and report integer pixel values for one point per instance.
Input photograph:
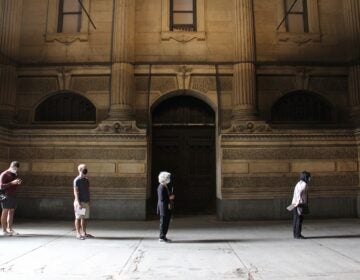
(43, 85)
(290, 153)
(90, 83)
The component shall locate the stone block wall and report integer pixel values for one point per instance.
(117, 171)
(259, 173)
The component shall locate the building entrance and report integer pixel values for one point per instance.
(183, 143)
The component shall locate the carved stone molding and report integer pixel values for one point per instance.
(249, 127)
(66, 38)
(298, 38)
(183, 37)
(118, 127)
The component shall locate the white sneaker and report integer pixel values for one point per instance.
(5, 233)
(13, 232)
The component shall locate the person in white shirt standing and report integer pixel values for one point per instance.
(300, 203)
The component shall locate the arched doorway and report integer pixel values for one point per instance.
(183, 143)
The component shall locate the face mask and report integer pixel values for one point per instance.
(309, 179)
(13, 169)
(84, 171)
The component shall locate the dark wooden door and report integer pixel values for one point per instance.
(187, 151)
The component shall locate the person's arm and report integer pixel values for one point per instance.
(4, 186)
(76, 195)
(160, 193)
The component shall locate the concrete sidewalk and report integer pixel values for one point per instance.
(202, 248)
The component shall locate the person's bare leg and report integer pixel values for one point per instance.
(78, 227)
(10, 219)
(4, 215)
(83, 226)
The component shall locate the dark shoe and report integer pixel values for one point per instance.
(164, 240)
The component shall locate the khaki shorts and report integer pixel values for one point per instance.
(85, 205)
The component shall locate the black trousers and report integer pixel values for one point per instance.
(164, 224)
(297, 222)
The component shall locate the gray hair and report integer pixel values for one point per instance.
(81, 167)
(164, 177)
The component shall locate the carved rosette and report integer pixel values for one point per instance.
(249, 127)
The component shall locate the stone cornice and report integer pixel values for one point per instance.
(83, 137)
(335, 135)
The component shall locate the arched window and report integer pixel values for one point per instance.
(302, 107)
(183, 110)
(66, 107)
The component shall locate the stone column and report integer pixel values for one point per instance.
(352, 25)
(10, 23)
(122, 68)
(244, 81)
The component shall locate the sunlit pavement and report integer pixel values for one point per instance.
(201, 248)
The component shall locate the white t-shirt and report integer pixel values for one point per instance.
(300, 193)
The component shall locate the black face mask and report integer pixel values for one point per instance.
(84, 171)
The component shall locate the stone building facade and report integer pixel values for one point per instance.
(233, 97)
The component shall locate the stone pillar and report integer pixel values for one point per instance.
(10, 23)
(122, 68)
(352, 25)
(244, 81)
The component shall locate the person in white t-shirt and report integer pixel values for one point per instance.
(300, 203)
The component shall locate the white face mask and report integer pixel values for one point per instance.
(13, 169)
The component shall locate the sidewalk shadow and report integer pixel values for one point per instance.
(333, 236)
(208, 241)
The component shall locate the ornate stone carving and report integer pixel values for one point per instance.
(118, 127)
(183, 37)
(66, 38)
(249, 127)
(299, 38)
(203, 84)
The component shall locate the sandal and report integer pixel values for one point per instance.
(80, 237)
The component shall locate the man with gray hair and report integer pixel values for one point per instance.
(164, 206)
(82, 202)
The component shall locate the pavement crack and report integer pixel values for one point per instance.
(133, 260)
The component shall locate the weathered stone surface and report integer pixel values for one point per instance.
(271, 167)
(313, 165)
(346, 166)
(163, 84)
(277, 83)
(289, 182)
(203, 84)
(48, 182)
(235, 167)
(77, 153)
(91, 83)
(131, 168)
(43, 85)
(53, 167)
(291, 153)
(329, 84)
(4, 153)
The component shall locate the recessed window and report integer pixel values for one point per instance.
(296, 19)
(69, 20)
(302, 107)
(182, 15)
(66, 107)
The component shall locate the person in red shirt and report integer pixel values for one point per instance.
(9, 182)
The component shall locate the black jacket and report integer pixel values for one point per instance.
(163, 200)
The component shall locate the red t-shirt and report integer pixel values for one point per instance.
(5, 178)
